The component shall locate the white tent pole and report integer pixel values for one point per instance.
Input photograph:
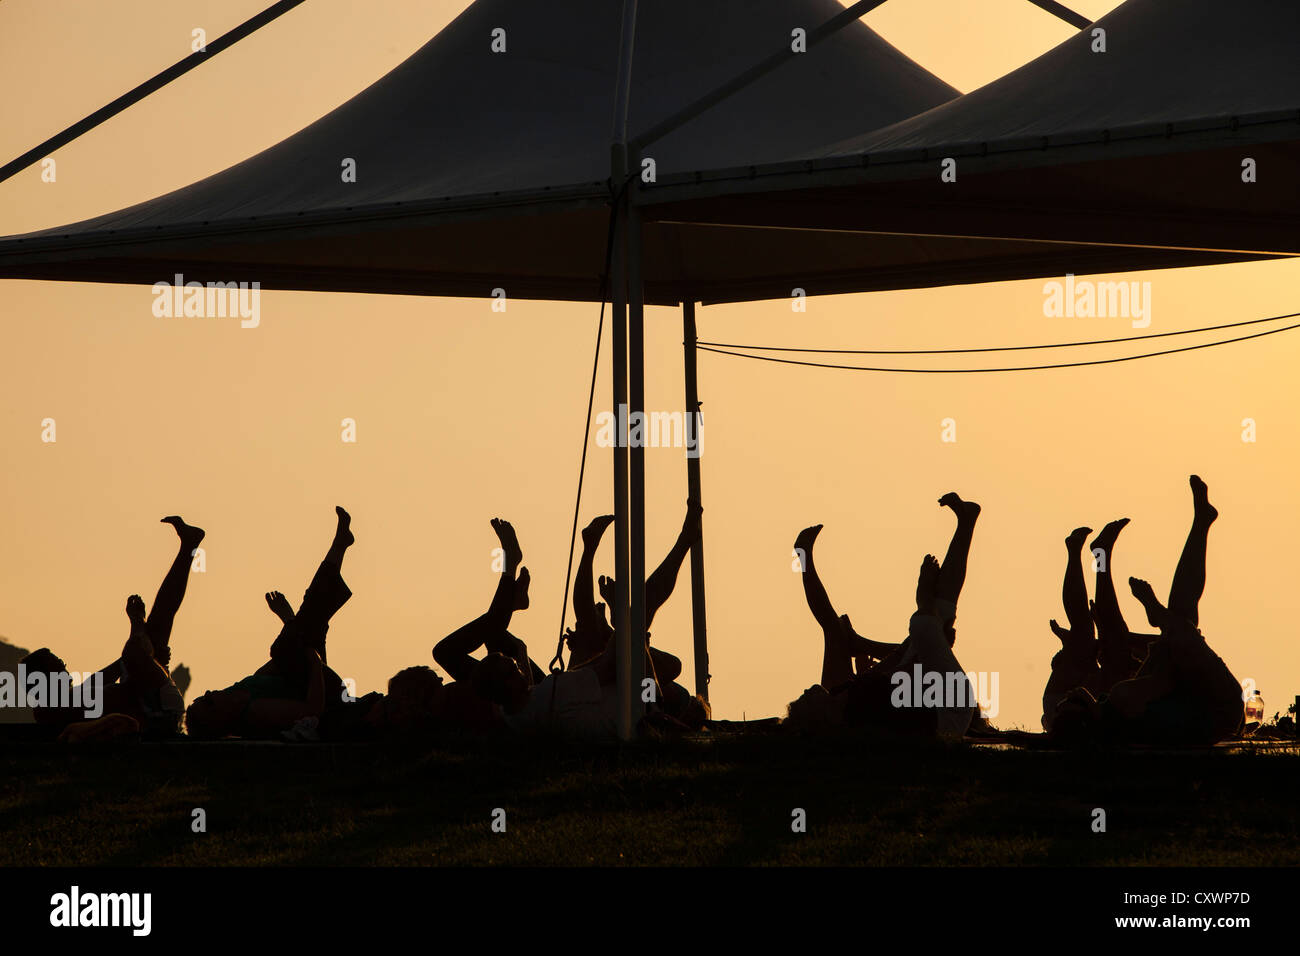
(636, 499)
(698, 618)
(622, 572)
(620, 610)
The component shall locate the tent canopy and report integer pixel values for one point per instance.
(1140, 145)
(478, 169)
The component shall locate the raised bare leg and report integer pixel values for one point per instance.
(1114, 642)
(343, 539)
(326, 593)
(952, 573)
(1106, 610)
(1074, 592)
(1189, 577)
(659, 586)
(837, 658)
(172, 590)
(586, 613)
(453, 652)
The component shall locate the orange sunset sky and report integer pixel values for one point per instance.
(464, 414)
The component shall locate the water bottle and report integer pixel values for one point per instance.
(1254, 713)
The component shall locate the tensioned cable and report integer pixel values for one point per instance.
(154, 83)
(850, 14)
(1076, 20)
(1021, 368)
(997, 348)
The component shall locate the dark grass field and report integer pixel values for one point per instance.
(693, 803)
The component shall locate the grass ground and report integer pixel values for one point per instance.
(724, 802)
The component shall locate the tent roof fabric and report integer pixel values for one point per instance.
(1186, 62)
(481, 170)
(1141, 144)
(457, 120)
(459, 133)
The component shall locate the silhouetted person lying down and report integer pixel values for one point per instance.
(471, 701)
(498, 692)
(879, 695)
(417, 703)
(1183, 694)
(844, 651)
(592, 635)
(137, 684)
(1094, 660)
(295, 683)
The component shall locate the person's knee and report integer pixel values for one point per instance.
(927, 638)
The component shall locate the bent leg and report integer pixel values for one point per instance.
(864, 647)
(453, 652)
(1069, 671)
(326, 593)
(667, 667)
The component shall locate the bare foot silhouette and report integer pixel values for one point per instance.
(1146, 595)
(1105, 540)
(138, 641)
(509, 541)
(343, 534)
(135, 609)
(926, 581)
(967, 510)
(592, 534)
(1076, 538)
(280, 606)
(190, 535)
(1204, 511)
(807, 538)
